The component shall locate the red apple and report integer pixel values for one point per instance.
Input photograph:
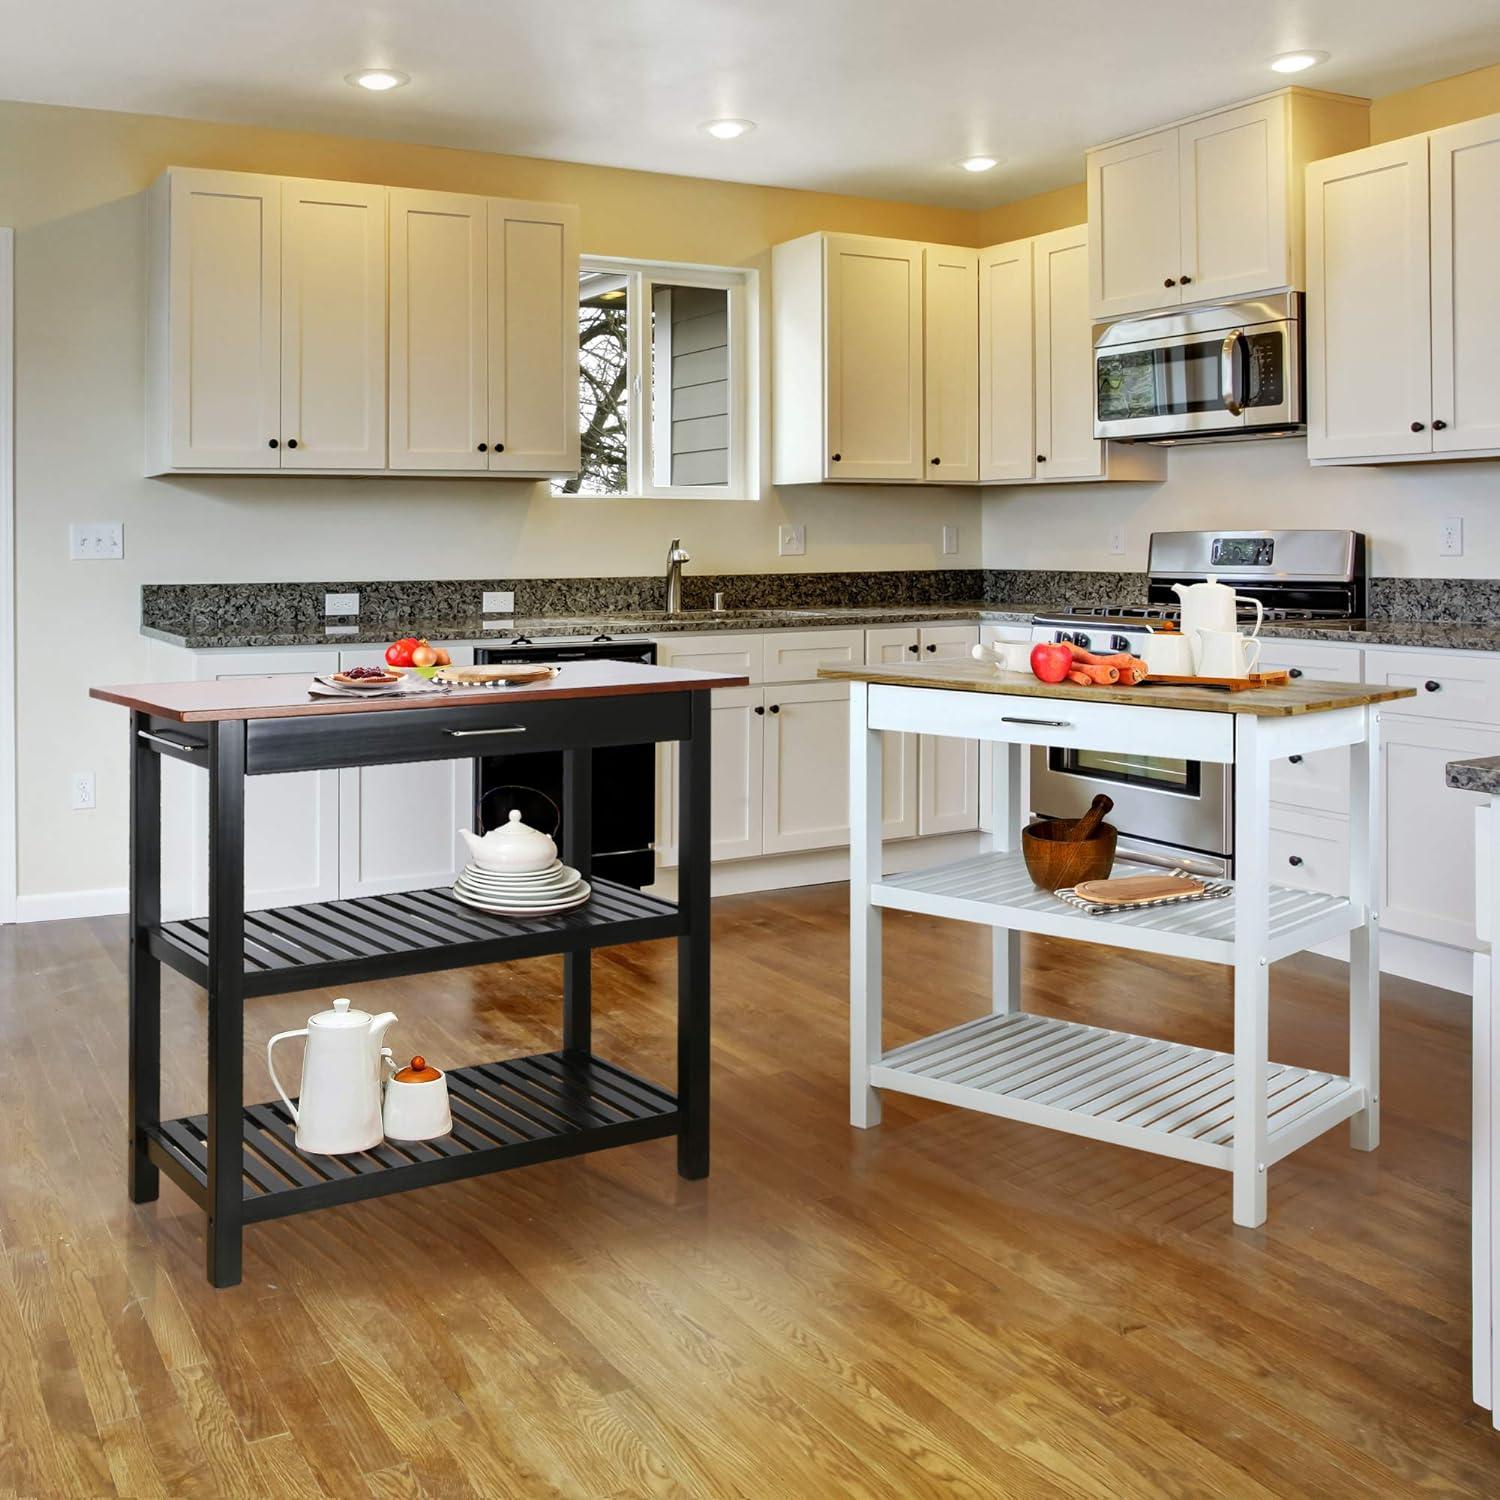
(1051, 660)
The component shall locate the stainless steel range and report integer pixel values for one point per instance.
(1181, 812)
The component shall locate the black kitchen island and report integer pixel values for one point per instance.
(239, 1163)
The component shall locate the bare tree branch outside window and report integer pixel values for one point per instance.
(603, 396)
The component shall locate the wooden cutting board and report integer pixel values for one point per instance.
(1127, 890)
(492, 676)
(1232, 684)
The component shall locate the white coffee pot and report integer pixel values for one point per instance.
(511, 849)
(338, 1108)
(1212, 606)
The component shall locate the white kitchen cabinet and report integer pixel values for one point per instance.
(214, 327)
(1007, 355)
(1066, 447)
(398, 825)
(1210, 209)
(438, 352)
(1319, 780)
(1308, 851)
(806, 767)
(737, 769)
(796, 655)
(333, 314)
(532, 253)
(948, 769)
(950, 329)
(895, 646)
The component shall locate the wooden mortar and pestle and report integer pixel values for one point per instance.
(1060, 852)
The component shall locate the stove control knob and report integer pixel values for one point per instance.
(1060, 636)
(1119, 643)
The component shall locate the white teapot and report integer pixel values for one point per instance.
(511, 849)
(338, 1110)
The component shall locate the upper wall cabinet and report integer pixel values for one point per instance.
(1403, 299)
(1211, 208)
(276, 311)
(950, 344)
(1036, 366)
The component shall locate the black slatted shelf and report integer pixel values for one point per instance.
(505, 1114)
(344, 942)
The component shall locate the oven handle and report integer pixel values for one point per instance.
(1229, 372)
(1042, 723)
(464, 734)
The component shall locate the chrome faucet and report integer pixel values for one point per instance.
(675, 559)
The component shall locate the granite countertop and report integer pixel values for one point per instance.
(1481, 775)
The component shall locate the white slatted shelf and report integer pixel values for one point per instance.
(1135, 1091)
(995, 889)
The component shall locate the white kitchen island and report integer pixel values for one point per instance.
(1238, 1111)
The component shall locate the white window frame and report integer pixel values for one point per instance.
(642, 277)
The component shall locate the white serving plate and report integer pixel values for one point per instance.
(500, 907)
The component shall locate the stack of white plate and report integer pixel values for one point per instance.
(538, 893)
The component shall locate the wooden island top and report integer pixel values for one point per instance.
(286, 696)
(1269, 702)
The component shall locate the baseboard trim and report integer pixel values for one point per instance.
(57, 906)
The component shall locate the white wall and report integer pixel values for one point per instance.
(1399, 506)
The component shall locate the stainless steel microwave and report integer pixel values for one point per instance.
(1234, 370)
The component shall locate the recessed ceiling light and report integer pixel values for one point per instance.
(728, 130)
(1297, 62)
(377, 80)
(979, 163)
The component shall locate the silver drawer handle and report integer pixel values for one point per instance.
(191, 746)
(1044, 723)
(464, 734)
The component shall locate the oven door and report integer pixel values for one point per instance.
(1184, 806)
(1220, 381)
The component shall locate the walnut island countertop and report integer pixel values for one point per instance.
(978, 677)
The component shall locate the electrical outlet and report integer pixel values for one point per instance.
(1451, 537)
(1116, 540)
(792, 541)
(497, 602)
(340, 604)
(950, 540)
(96, 541)
(83, 791)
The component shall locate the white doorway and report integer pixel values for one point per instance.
(7, 578)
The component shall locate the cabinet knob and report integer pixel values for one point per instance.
(760, 708)
(1186, 280)
(273, 444)
(1295, 760)
(936, 461)
(1294, 860)
(499, 447)
(914, 648)
(1432, 687)
(484, 447)
(775, 708)
(1439, 425)
(931, 647)
(1418, 426)
(837, 457)
(1294, 672)
(291, 442)
(1041, 458)
(1170, 281)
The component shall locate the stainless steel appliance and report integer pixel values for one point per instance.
(1181, 812)
(624, 804)
(1235, 370)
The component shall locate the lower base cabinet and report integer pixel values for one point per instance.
(806, 767)
(738, 759)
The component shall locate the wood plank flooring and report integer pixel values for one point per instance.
(949, 1305)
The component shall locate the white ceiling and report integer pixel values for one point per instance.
(876, 97)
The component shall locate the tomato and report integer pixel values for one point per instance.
(399, 653)
(1051, 660)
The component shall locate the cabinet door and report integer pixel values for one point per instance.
(1428, 865)
(438, 355)
(224, 312)
(1318, 781)
(897, 646)
(398, 824)
(1465, 289)
(950, 331)
(1066, 447)
(1233, 174)
(873, 380)
(1007, 433)
(807, 767)
(533, 337)
(1136, 239)
(333, 308)
(948, 775)
(1369, 323)
(738, 773)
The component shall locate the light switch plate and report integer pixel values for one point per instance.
(792, 541)
(497, 602)
(950, 540)
(340, 604)
(96, 541)
(1451, 537)
(1116, 540)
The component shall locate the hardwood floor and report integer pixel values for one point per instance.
(948, 1305)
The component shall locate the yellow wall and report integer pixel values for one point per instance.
(1059, 209)
(1433, 105)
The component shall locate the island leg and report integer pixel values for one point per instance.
(693, 844)
(226, 997)
(865, 771)
(577, 851)
(145, 969)
(1006, 816)
(1252, 918)
(1364, 942)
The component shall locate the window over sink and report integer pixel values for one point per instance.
(666, 392)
